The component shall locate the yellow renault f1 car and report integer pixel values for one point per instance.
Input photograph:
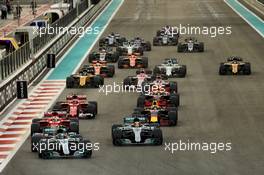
(84, 80)
(235, 66)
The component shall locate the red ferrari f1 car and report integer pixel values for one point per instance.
(77, 106)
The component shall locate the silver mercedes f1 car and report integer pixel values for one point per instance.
(136, 131)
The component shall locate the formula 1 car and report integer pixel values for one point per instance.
(132, 61)
(136, 81)
(171, 68)
(235, 66)
(77, 106)
(129, 48)
(164, 99)
(136, 133)
(191, 45)
(158, 84)
(84, 80)
(104, 54)
(146, 45)
(163, 116)
(168, 30)
(61, 144)
(54, 119)
(99, 68)
(112, 40)
(165, 40)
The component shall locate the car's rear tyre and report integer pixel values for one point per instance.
(173, 117)
(155, 41)
(97, 81)
(116, 137)
(74, 127)
(173, 87)
(87, 149)
(115, 57)
(180, 47)
(145, 62)
(156, 70)
(91, 58)
(175, 100)
(201, 47)
(95, 106)
(157, 133)
(141, 101)
(111, 71)
(127, 83)
(148, 46)
(70, 82)
(35, 128)
(35, 142)
(222, 69)
(247, 69)
(45, 154)
(120, 64)
(183, 71)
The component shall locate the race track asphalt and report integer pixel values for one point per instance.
(213, 108)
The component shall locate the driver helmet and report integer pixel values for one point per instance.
(155, 104)
(136, 122)
(61, 135)
(142, 71)
(158, 79)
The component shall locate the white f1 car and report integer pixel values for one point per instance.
(171, 68)
(129, 48)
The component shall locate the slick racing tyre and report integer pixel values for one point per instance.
(97, 81)
(180, 47)
(145, 62)
(148, 46)
(157, 133)
(46, 154)
(35, 128)
(116, 137)
(156, 70)
(141, 101)
(111, 70)
(247, 69)
(74, 127)
(127, 83)
(95, 106)
(201, 47)
(35, 142)
(70, 82)
(173, 117)
(183, 71)
(87, 150)
(91, 58)
(175, 100)
(222, 69)
(114, 57)
(173, 87)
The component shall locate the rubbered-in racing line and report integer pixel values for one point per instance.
(15, 126)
